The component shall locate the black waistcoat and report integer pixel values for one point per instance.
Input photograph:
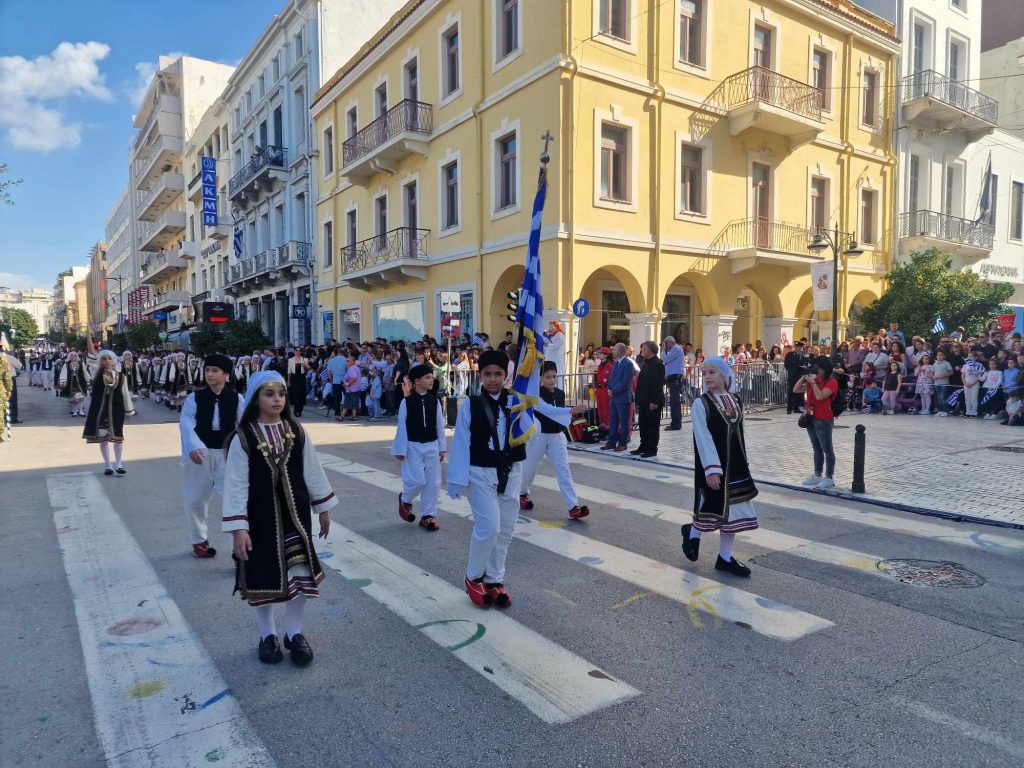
(76, 382)
(483, 431)
(205, 400)
(557, 399)
(736, 485)
(421, 417)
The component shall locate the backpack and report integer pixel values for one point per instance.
(840, 400)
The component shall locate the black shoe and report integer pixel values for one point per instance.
(672, 429)
(637, 452)
(648, 454)
(270, 650)
(734, 567)
(121, 471)
(691, 547)
(108, 472)
(302, 654)
(16, 421)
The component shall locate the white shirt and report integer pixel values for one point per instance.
(400, 445)
(187, 426)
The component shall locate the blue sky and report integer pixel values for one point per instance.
(70, 75)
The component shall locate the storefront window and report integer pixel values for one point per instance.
(400, 320)
(614, 325)
(465, 315)
(676, 318)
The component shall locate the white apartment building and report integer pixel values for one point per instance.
(122, 257)
(64, 294)
(181, 91)
(272, 190)
(36, 301)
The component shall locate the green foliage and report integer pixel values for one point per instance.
(119, 342)
(5, 186)
(55, 336)
(73, 341)
(243, 336)
(926, 288)
(19, 321)
(206, 339)
(143, 336)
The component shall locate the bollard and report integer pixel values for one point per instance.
(859, 441)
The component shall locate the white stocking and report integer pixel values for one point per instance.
(265, 617)
(118, 448)
(105, 450)
(293, 615)
(694, 533)
(725, 546)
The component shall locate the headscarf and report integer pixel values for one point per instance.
(726, 371)
(260, 379)
(107, 353)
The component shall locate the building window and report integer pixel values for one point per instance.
(353, 122)
(957, 60)
(869, 114)
(914, 184)
(381, 98)
(821, 75)
(412, 80)
(691, 32)
(328, 150)
(380, 206)
(450, 209)
(464, 315)
(993, 198)
(400, 320)
(300, 110)
(261, 85)
(328, 244)
(614, 19)
(450, 62)
(919, 52)
(508, 28)
(275, 68)
(868, 208)
(949, 191)
(352, 233)
(507, 171)
(819, 203)
(300, 48)
(1017, 211)
(278, 119)
(692, 179)
(614, 184)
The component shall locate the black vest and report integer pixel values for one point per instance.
(205, 400)
(481, 443)
(421, 417)
(557, 399)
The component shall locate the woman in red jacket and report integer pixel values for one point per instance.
(604, 371)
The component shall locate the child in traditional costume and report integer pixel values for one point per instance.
(145, 371)
(550, 441)
(177, 381)
(723, 485)
(131, 373)
(74, 384)
(488, 470)
(420, 445)
(111, 402)
(156, 378)
(241, 373)
(273, 482)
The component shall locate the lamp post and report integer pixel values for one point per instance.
(835, 240)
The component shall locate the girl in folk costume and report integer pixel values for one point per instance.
(74, 384)
(241, 373)
(420, 445)
(723, 486)
(145, 371)
(159, 377)
(176, 377)
(273, 482)
(488, 470)
(131, 373)
(111, 402)
(196, 379)
(297, 368)
(255, 365)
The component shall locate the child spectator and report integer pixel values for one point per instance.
(992, 400)
(1014, 412)
(872, 398)
(891, 387)
(942, 370)
(924, 385)
(373, 405)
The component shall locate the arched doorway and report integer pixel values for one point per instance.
(751, 309)
(687, 298)
(854, 324)
(613, 292)
(497, 322)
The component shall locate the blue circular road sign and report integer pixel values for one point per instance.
(581, 307)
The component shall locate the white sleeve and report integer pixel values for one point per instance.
(458, 458)
(236, 488)
(561, 416)
(126, 396)
(705, 445)
(321, 495)
(442, 441)
(400, 445)
(187, 426)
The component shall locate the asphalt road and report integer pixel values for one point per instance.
(613, 653)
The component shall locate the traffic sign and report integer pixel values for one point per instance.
(581, 308)
(450, 326)
(450, 302)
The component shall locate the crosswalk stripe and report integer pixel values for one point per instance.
(988, 542)
(157, 697)
(747, 609)
(550, 681)
(765, 539)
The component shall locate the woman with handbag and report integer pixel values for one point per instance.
(820, 389)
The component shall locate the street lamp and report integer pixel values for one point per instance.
(835, 240)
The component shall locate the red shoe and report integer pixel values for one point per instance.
(499, 597)
(577, 512)
(430, 523)
(525, 502)
(405, 510)
(203, 550)
(477, 593)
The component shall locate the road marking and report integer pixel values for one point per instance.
(765, 539)
(633, 599)
(157, 697)
(760, 614)
(550, 681)
(968, 729)
(987, 542)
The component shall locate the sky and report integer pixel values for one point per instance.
(71, 76)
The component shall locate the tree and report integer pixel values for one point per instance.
(927, 288)
(243, 336)
(143, 336)
(206, 339)
(21, 323)
(73, 340)
(5, 185)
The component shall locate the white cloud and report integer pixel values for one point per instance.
(28, 87)
(144, 72)
(18, 282)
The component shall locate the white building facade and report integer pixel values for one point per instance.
(122, 257)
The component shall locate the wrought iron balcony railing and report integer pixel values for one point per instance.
(407, 115)
(269, 156)
(766, 234)
(760, 84)
(291, 253)
(400, 243)
(941, 226)
(930, 83)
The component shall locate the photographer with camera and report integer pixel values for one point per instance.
(821, 390)
(796, 364)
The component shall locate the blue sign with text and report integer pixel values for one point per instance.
(209, 181)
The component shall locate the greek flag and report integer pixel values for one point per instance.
(939, 326)
(954, 398)
(530, 319)
(985, 203)
(237, 241)
(989, 394)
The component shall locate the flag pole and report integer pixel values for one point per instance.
(542, 179)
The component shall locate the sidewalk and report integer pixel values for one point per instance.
(927, 464)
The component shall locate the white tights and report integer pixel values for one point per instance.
(105, 450)
(724, 545)
(292, 617)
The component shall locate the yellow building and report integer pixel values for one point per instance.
(699, 143)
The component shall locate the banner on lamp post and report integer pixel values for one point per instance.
(821, 285)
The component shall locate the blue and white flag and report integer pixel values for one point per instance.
(985, 203)
(955, 397)
(989, 394)
(237, 240)
(530, 318)
(939, 326)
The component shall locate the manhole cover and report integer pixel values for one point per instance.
(931, 573)
(1005, 449)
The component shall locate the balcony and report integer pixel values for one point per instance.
(167, 187)
(386, 259)
(750, 243)
(215, 295)
(257, 177)
(158, 157)
(195, 188)
(763, 99)
(160, 266)
(284, 264)
(189, 249)
(401, 131)
(933, 102)
(968, 240)
(158, 234)
(166, 300)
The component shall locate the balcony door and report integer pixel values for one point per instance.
(411, 218)
(762, 199)
(763, 59)
(381, 222)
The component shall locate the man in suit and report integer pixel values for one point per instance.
(795, 364)
(650, 399)
(620, 389)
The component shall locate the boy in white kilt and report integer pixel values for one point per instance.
(420, 445)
